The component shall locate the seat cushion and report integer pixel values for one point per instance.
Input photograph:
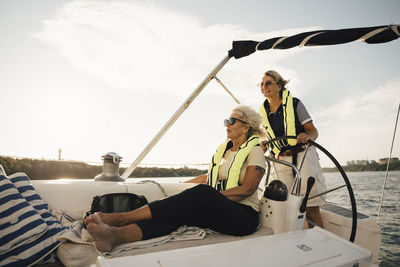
(77, 255)
(20, 223)
(28, 230)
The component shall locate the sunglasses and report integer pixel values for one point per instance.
(266, 83)
(232, 121)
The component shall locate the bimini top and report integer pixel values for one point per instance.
(370, 35)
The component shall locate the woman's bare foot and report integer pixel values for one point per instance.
(120, 219)
(112, 219)
(102, 234)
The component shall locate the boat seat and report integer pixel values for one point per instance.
(76, 196)
(74, 255)
(208, 240)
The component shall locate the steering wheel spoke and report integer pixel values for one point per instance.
(326, 192)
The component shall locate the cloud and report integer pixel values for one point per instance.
(139, 45)
(361, 125)
(371, 105)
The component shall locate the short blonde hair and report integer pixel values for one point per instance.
(253, 119)
(277, 77)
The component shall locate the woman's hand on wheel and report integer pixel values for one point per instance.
(263, 146)
(302, 138)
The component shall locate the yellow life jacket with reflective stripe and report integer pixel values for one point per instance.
(288, 123)
(241, 155)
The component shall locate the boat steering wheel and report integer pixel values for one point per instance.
(342, 172)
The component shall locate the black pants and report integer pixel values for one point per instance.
(201, 206)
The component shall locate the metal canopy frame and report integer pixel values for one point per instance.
(370, 35)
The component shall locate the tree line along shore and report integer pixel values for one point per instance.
(365, 168)
(54, 169)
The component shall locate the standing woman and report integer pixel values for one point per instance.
(283, 115)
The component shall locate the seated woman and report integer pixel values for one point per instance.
(227, 204)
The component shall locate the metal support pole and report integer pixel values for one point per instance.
(387, 166)
(297, 177)
(172, 120)
(226, 89)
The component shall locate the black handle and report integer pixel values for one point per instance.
(310, 183)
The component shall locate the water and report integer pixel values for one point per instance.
(367, 187)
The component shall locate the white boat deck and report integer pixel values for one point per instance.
(313, 247)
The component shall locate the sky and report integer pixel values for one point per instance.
(91, 77)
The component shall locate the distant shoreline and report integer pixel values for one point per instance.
(365, 168)
(54, 169)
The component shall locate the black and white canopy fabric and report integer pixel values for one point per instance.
(370, 35)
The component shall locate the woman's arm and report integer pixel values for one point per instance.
(202, 179)
(311, 133)
(250, 184)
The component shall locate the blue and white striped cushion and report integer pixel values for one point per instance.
(39, 248)
(19, 222)
(25, 187)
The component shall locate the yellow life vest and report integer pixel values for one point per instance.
(288, 122)
(236, 165)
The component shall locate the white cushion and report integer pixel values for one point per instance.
(77, 255)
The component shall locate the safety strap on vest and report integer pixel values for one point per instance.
(236, 165)
(288, 123)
